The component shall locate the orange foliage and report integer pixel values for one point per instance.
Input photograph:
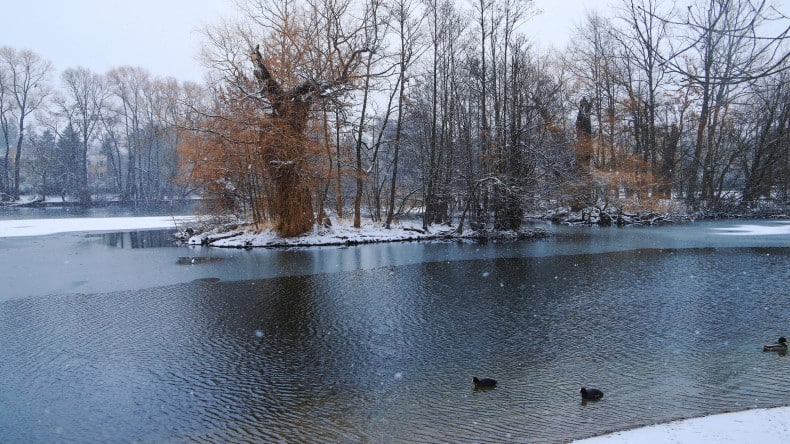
(250, 161)
(631, 183)
(256, 150)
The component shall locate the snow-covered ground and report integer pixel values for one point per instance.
(40, 227)
(764, 426)
(339, 233)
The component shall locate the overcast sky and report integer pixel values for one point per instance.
(163, 36)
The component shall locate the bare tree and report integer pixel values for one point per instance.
(6, 126)
(766, 133)
(593, 60)
(374, 38)
(130, 87)
(82, 103)
(407, 29)
(26, 82)
(723, 39)
(292, 72)
(447, 29)
(642, 41)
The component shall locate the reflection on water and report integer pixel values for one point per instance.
(137, 239)
(388, 354)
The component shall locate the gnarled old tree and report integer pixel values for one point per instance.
(580, 188)
(283, 155)
(262, 136)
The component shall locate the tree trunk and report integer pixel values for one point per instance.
(18, 155)
(398, 131)
(293, 202)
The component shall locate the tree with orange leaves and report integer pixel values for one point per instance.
(284, 153)
(256, 146)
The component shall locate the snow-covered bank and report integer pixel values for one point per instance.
(343, 233)
(764, 426)
(40, 227)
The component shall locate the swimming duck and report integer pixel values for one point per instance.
(591, 394)
(484, 382)
(780, 346)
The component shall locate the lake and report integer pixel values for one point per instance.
(109, 337)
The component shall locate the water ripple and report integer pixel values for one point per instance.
(387, 355)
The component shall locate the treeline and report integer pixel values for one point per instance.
(88, 135)
(376, 109)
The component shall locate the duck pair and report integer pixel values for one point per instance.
(587, 394)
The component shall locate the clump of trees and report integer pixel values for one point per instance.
(448, 111)
(88, 135)
(444, 111)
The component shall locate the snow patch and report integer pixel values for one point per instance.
(754, 230)
(765, 426)
(343, 233)
(41, 227)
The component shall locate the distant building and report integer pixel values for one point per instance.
(98, 177)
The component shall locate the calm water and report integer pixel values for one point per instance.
(379, 343)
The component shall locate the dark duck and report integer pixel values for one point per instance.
(779, 346)
(591, 394)
(484, 382)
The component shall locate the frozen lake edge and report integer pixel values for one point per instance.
(765, 426)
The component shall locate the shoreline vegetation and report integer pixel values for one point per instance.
(227, 231)
(332, 231)
(342, 233)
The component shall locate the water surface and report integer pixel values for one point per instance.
(380, 344)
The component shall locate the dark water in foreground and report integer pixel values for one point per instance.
(387, 354)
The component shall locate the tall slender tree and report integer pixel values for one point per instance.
(82, 103)
(26, 83)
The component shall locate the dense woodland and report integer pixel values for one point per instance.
(442, 110)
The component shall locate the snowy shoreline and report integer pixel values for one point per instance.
(339, 234)
(245, 236)
(765, 426)
(344, 234)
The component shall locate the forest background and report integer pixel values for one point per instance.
(386, 109)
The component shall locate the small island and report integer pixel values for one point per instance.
(344, 234)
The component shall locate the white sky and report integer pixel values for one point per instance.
(163, 36)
